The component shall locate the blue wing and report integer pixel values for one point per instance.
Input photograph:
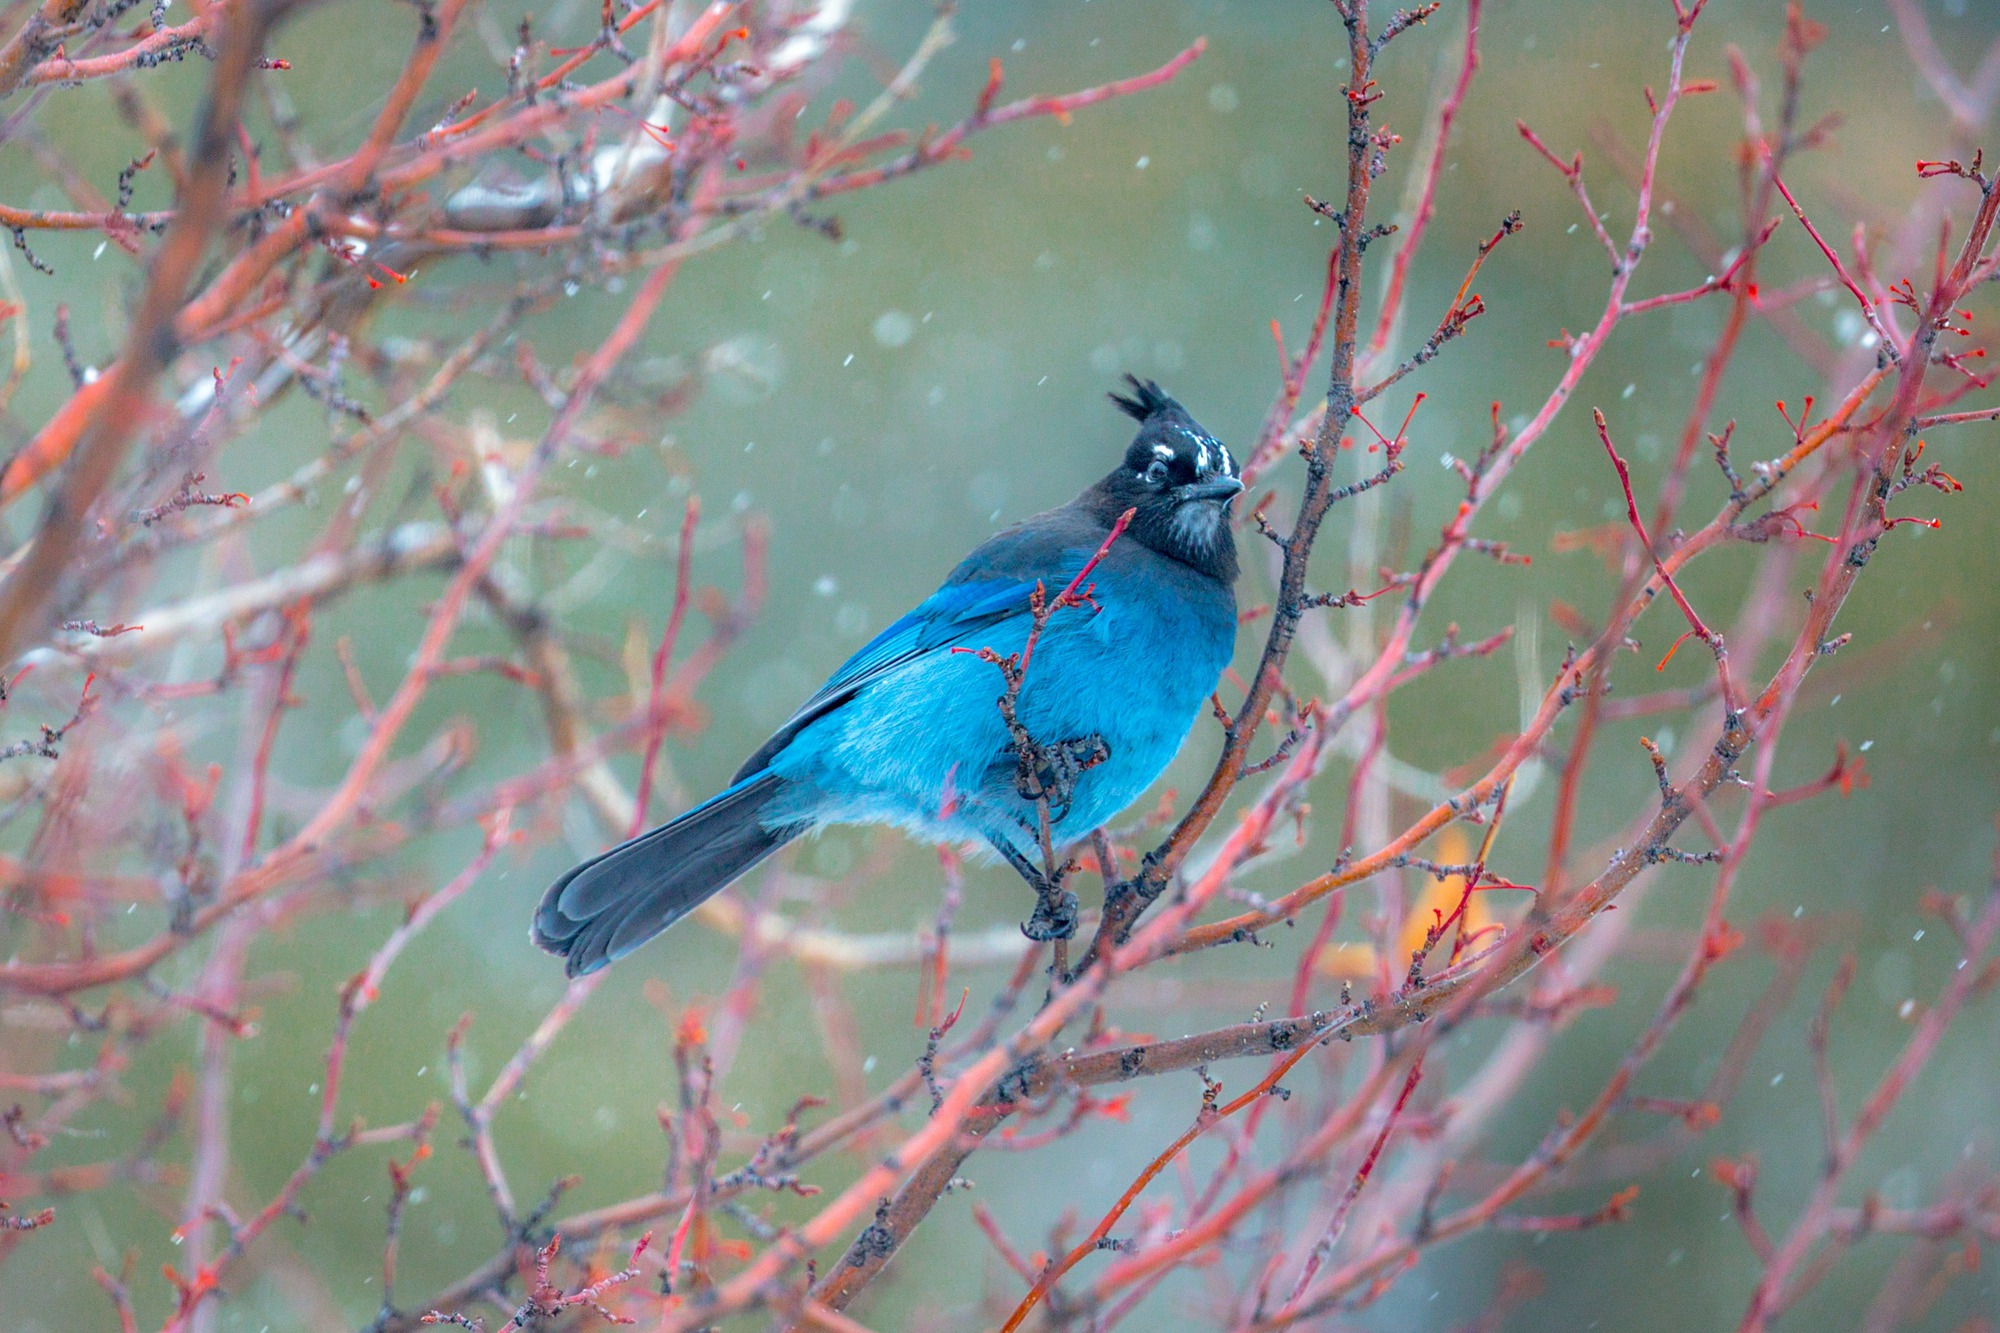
(944, 619)
(948, 618)
(990, 587)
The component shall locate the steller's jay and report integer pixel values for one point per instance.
(909, 731)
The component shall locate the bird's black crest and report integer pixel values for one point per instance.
(1147, 398)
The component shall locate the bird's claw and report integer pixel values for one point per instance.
(1050, 772)
(1054, 918)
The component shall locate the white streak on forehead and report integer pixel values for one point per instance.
(1212, 457)
(1163, 452)
(1204, 462)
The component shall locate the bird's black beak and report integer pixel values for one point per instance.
(1217, 488)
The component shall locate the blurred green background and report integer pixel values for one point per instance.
(887, 401)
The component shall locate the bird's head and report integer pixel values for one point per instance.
(1179, 478)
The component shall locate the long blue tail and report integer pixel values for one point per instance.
(613, 903)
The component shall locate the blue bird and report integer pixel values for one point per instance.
(909, 732)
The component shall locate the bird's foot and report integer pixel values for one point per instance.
(1055, 906)
(1055, 914)
(1050, 772)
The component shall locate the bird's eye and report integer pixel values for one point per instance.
(1156, 473)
